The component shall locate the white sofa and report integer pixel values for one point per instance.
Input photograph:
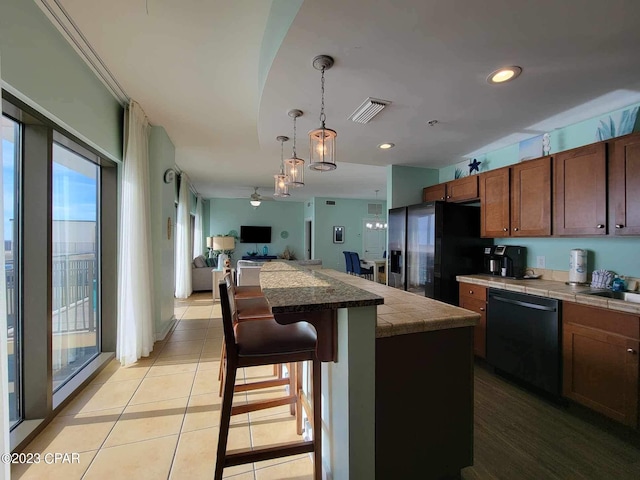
(248, 273)
(201, 279)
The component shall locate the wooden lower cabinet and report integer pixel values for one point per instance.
(600, 360)
(474, 298)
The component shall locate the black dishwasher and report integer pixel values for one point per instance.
(524, 338)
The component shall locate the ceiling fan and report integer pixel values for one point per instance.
(255, 198)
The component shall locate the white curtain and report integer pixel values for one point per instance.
(183, 241)
(198, 246)
(5, 445)
(135, 285)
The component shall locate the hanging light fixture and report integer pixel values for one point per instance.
(376, 224)
(322, 141)
(281, 189)
(294, 166)
(255, 200)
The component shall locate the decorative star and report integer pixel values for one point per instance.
(474, 165)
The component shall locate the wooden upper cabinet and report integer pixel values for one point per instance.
(531, 198)
(624, 185)
(494, 201)
(580, 191)
(434, 193)
(459, 190)
(462, 189)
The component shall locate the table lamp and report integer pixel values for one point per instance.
(225, 244)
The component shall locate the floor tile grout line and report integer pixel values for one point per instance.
(184, 416)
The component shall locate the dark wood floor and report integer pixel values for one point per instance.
(520, 435)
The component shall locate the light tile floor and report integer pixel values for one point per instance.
(159, 418)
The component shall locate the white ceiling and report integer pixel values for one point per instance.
(193, 65)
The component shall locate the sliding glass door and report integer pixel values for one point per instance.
(75, 253)
(11, 224)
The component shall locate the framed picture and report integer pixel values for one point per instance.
(338, 234)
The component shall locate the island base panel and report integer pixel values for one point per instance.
(424, 404)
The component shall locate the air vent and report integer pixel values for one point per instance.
(369, 109)
(374, 209)
(331, 202)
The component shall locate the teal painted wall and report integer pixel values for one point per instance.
(41, 67)
(405, 184)
(348, 213)
(227, 214)
(162, 155)
(617, 254)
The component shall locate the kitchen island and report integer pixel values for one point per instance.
(398, 397)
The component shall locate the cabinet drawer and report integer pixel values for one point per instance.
(473, 291)
(610, 321)
(462, 189)
(477, 305)
(434, 193)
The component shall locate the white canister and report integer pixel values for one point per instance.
(578, 266)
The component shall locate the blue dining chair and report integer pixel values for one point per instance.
(357, 268)
(348, 262)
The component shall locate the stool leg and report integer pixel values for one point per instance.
(298, 384)
(292, 385)
(225, 417)
(222, 354)
(317, 420)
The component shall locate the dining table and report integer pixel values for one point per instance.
(376, 263)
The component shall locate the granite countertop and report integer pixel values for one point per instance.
(405, 312)
(552, 289)
(292, 288)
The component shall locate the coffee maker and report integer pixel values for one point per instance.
(512, 258)
(492, 263)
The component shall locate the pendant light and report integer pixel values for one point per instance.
(281, 189)
(322, 141)
(294, 166)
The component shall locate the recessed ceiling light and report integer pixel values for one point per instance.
(386, 146)
(504, 74)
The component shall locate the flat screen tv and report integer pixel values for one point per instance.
(250, 234)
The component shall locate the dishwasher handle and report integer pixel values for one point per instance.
(523, 304)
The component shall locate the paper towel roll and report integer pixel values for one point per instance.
(578, 266)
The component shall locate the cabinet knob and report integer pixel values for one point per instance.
(619, 225)
(448, 196)
(600, 225)
(441, 198)
(630, 350)
(470, 292)
(482, 309)
(505, 229)
(516, 229)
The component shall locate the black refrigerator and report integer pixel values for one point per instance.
(431, 243)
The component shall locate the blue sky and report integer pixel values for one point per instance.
(74, 193)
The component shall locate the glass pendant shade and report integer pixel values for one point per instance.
(281, 189)
(294, 170)
(322, 149)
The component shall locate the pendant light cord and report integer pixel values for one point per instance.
(322, 115)
(294, 138)
(281, 157)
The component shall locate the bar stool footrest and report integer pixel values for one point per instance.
(262, 384)
(263, 404)
(242, 456)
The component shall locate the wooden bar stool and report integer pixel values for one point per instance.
(266, 342)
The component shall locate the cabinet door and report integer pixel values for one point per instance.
(580, 191)
(601, 371)
(462, 189)
(531, 198)
(624, 192)
(494, 203)
(434, 193)
(480, 330)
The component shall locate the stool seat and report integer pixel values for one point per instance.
(253, 308)
(248, 291)
(268, 337)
